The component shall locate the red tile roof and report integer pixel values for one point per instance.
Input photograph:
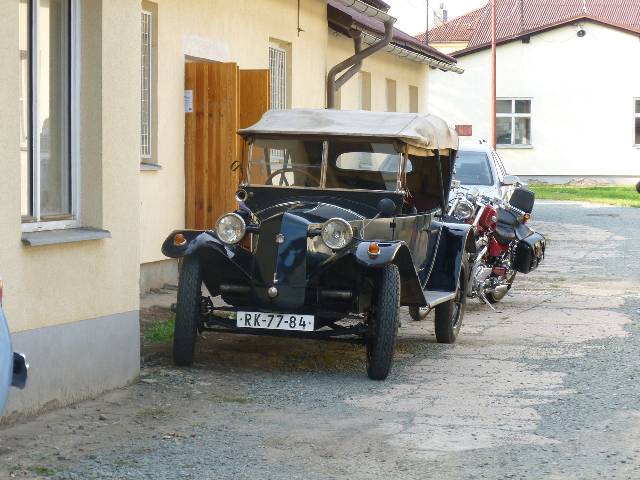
(459, 29)
(535, 15)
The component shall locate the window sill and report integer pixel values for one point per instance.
(64, 235)
(150, 167)
(504, 147)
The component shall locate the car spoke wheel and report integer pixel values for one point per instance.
(418, 313)
(383, 324)
(448, 318)
(188, 311)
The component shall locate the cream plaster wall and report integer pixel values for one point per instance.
(240, 31)
(448, 47)
(382, 66)
(55, 285)
(582, 92)
(225, 30)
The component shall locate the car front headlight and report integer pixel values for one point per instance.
(231, 228)
(463, 210)
(337, 233)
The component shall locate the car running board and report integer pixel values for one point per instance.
(436, 297)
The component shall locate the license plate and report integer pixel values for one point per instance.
(275, 321)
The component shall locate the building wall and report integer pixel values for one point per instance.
(582, 92)
(51, 290)
(232, 31)
(241, 31)
(381, 66)
(448, 47)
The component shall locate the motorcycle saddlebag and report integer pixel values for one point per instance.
(529, 253)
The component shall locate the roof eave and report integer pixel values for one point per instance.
(535, 31)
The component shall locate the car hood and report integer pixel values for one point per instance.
(487, 190)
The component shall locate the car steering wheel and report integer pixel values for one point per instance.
(284, 170)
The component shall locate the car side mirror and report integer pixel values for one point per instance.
(509, 180)
(20, 370)
(386, 207)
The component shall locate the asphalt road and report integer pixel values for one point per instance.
(545, 388)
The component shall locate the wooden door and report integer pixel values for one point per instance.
(212, 145)
(254, 102)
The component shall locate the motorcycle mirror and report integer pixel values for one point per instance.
(387, 207)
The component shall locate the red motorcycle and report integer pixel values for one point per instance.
(505, 245)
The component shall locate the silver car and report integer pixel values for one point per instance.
(479, 167)
(13, 367)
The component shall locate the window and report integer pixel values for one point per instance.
(279, 68)
(472, 168)
(392, 98)
(637, 120)
(513, 121)
(49, 178)
(414, 101)
(364, 93)
(285, 163)
(146, 72)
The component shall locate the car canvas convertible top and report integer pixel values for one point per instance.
(421, 131)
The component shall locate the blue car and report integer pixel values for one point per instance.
(13, 367)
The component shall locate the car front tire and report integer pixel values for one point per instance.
(187, 312)
(448, 318)
(381, 339)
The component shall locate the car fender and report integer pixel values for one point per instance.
(457, 241)
(397, 253)
(210, 249)
(195, 239)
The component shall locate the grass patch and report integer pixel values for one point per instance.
(612, 195)
(230, 399)
(160, 331)
(40, 470)
(153, 412)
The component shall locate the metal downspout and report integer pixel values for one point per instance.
(354, 63)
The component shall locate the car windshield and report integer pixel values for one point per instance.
(472, 168)
(298, 163)
(286, 163)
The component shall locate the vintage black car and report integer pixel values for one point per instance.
(339, 223)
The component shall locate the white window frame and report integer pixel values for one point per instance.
(147, 156)
(74, 123)
(636, 116)
(513, 117)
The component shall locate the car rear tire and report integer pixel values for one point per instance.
(187, 312)
(448, 318)
(383, 325)
(418, 314)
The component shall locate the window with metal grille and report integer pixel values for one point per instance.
(145, 69)
(278, 69)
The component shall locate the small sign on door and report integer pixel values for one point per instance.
(188, 101)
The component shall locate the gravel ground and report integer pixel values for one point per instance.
(544, 388)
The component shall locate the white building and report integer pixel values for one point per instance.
(568, 86)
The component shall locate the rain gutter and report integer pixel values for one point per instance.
(410, 55)
(353, 64)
